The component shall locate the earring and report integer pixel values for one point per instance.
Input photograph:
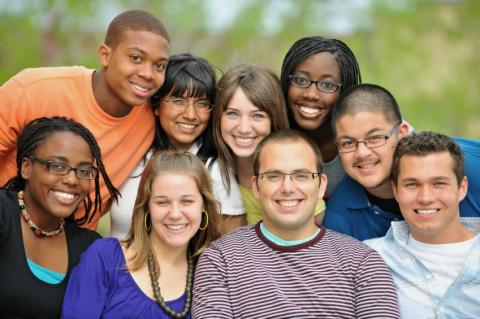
(146, 220)
(206, 220)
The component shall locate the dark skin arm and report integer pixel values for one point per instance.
(230, 222)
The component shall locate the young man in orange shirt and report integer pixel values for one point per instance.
(113, 102)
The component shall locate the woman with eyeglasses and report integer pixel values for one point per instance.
(150, 273)
(183, 108)
(40, 241)
(315, 71)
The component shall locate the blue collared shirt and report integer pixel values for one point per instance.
(416, 284)
(349, 212)
(470, 206)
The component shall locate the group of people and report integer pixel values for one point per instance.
(246, 197)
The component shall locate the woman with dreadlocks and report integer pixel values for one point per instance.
(315, 72)
(40, 241)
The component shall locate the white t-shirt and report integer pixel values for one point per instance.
(230, 203)
(445, 261)
(122, 210)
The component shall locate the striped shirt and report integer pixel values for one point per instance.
(244, 275)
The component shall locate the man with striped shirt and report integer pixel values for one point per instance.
(286, 266)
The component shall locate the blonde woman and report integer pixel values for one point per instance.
(149, 274)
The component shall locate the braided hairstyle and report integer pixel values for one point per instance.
(304, 48)
(36, 132)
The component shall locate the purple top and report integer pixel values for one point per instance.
(100, 287)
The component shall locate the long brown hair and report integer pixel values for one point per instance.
(171, 161)
(262, 88)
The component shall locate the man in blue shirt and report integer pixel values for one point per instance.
(367, 125)
(434, 255)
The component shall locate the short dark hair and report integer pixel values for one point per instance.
(304, 48)
(366, 98)
(35, 134)
(425, 143)
(194, 76)
(283, 136)
(133, 20)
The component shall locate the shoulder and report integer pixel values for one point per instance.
(33, 76)
(347, 195)
(213, 167)
(346, 245)
(353, 253)
(9, 212)
(106, 244)
(468, 146)
(231, 202)
(347, 184)
(8, 204)
(79, 236)
(8, 197)
(338, 200)
(104, 248)
(375, 243)
(235, 240)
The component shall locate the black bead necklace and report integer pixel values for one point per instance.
(152, 269)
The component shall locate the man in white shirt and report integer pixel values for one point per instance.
(434, 255)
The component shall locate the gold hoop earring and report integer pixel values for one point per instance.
(206, 220)
(145, 222)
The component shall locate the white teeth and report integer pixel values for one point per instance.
(187, 126)
(176, 226)
(309, 110)
(136, 86)
(288, 203)
(244, 139)
(367, 165)
(63, 195)
(426, 211)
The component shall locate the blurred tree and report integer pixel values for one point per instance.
(424, 51)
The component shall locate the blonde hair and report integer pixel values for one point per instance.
(176, 162)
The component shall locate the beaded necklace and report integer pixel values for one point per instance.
(152, 269)
(37, 230)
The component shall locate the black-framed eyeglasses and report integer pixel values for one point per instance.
(56, 168)
(296, 177)
(349, 145)
(180, 104)
(304, 82)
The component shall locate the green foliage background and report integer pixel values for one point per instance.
(425, 52)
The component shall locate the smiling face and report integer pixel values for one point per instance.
(288, 207)
(310, 107)
(133, 71)
(182, 127)
(428, 193)
(49, 196)
(370, 167)
(243, 125)
(176, 210)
